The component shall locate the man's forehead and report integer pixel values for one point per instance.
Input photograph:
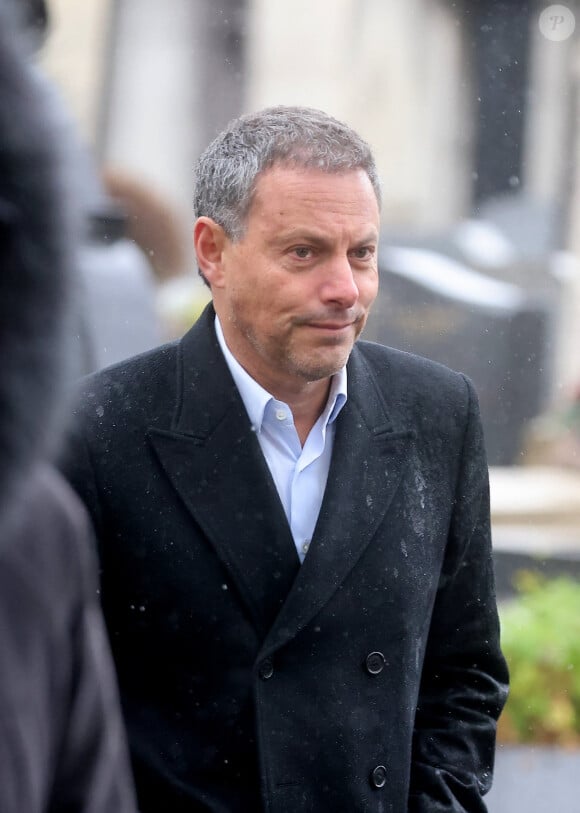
(302, 181)
(299, 170)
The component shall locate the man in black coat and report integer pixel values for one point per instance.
(62, 745)
(294, 528)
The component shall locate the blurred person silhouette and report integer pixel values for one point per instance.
(152, 223)
(62, 744)
(117, 297)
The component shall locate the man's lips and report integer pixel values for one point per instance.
(335, 325)
(332, 326)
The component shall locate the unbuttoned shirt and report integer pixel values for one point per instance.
(299, 472)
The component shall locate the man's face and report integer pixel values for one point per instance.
(294, 293)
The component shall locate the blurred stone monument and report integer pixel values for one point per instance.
(495, 331)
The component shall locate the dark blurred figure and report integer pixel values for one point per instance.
(116, 310)
(62, 746)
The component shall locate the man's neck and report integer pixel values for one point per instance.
(306, 399)
(307, 405)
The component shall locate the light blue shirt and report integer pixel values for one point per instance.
(299, 472)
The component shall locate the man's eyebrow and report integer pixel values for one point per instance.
(300, 234)
(371, 237)
(320, 238)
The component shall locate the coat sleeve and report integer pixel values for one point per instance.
(464, 679)
(76, 465)
(92, 772)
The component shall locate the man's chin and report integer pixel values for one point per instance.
(317, 370)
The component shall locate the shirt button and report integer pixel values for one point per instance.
(266, 669)
(305, 546)
(280, 415)
(379, 777)
(375, 663)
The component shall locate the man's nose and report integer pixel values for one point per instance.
(339, 284)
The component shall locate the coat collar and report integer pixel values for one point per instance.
(215, 463)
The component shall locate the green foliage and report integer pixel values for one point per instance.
(541, 642)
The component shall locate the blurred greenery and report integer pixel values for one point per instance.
(541, 642)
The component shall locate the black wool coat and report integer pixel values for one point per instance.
(367, 679)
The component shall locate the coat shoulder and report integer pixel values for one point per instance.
(414, 378)
(135, 389)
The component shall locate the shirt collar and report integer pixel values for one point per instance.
(256, 398)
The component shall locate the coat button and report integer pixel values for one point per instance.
(379, 777)
(375, 663)
(266, 669)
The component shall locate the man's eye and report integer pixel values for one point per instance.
(302, 252)
(362, 253)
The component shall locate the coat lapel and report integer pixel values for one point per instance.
(213, 459)
(369, 457)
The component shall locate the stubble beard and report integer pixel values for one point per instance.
(317, 363)
(309, 363)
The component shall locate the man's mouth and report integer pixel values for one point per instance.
(331, 326)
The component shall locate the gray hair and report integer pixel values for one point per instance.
(227, 171)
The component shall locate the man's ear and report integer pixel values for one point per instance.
(209, 240)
